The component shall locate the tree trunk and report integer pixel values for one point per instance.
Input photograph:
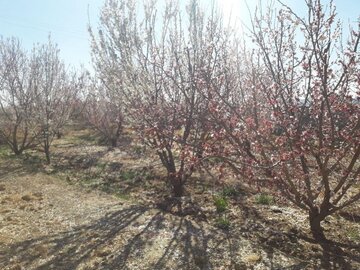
(17, 152)
(114, 142)
(58, 134)
(178, 190)
(177, 186)
(47, 154)
(315, 227)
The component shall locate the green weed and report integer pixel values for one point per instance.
(264, 199)
(353, 234)
(139, 149)
(128, 175)
(4, 151)
(122, 196)
(220, 203)
(131, 175)
(101, 166)
(222, 223)
(229, 191)
(87, 137)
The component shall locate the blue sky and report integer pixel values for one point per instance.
(32, 21)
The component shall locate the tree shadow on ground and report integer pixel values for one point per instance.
(119, 238)
(138, 237)
(20, 165)
(124, 238)
(77, 161)
(336, 255)
(29, 164)
(269, 235)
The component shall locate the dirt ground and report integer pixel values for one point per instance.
(100, 208)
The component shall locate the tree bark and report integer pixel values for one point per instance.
(177, 186)
(58, 134)
(315, 226)
(17, 152)
(114, 142)
(47, 154)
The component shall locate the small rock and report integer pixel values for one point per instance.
(38, 194)
(102, 253)
(49, 170)
(27, 197)
(252, 258)
(275, 209)
(2, 187)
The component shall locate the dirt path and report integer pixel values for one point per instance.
(39, 204)
(36, 206)
(47, 224)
